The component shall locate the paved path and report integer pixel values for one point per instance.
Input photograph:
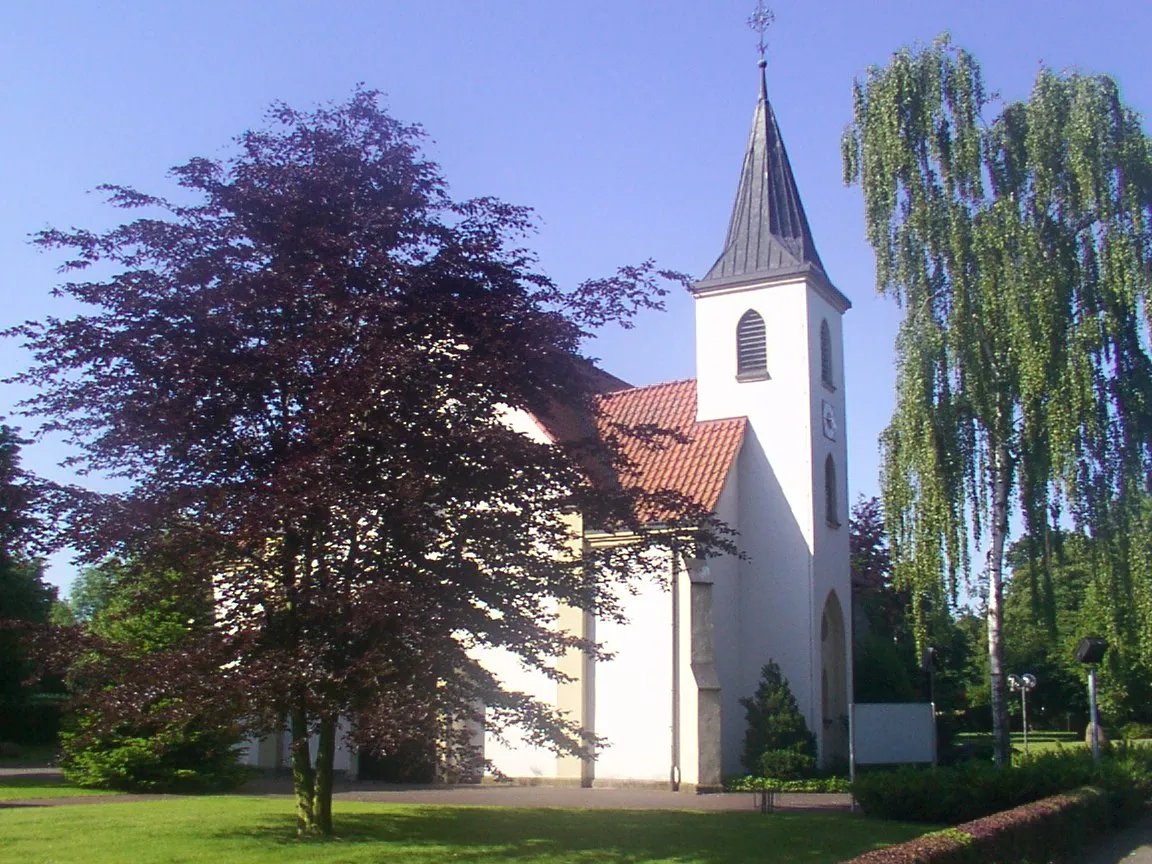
(600, 798)
(1133, 845)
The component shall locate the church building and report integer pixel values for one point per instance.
(761, 446)
(763, 449)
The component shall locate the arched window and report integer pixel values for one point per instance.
(751, 348)
(830, 505)
(826, 355)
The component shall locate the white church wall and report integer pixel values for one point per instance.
(634, 688)
(775, 586)
(515, 756)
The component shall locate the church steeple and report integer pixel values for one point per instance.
(768, 233)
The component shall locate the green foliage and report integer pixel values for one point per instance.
(884, 650)
(882, 672)
(1137, 731)
(171, 759)
(974, 789)
(24, 599)
(137, 612)
(138, 607)
(786, 765)
(1082, 586)
(774, 720)
(1017, 247)
(748, 783)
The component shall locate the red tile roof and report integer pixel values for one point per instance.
(695, 463)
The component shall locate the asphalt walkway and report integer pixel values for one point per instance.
(1133, 845)
(600, 798)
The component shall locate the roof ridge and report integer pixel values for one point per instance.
(639, 387)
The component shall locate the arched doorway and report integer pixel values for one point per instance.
(833, 683)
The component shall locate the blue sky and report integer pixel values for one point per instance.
(622, 122)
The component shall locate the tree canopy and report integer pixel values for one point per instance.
(1017, 245)
(304, 375)
(24, 596)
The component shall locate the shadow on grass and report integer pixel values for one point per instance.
(484, 834)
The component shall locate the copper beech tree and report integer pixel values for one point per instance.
(301, 370)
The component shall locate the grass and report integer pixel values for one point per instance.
(251, 830)
(33, 787)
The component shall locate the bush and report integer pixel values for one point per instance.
(169, 760)
(975, 789)
(774, 720)
(1044, 830)
(809, 784)
(969, 790)
(1136, 731)
(786, 765)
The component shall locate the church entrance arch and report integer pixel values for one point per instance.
(833, 682)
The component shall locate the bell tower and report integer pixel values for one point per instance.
(769, 347)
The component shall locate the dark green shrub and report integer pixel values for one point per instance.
(169, 759)
(774, 720)
(974, 789)
(786, 765)
(968, 790)
(1136, 731)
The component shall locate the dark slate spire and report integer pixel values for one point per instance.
(768, 233)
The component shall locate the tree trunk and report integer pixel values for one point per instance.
(303, 778)
(325, 757)
(1001, 483)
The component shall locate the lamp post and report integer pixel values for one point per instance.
(1090, 652)
(1023, 683)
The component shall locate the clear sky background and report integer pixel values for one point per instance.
(622, 122)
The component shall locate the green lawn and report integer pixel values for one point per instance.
(242, 829)
(17, 788)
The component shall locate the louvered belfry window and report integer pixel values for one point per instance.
(826, 355)
(751, 347)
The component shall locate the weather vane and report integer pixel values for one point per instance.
(760, 21)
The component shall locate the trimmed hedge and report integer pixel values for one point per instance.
(961, 793)
(773, 784)
(1044, 830)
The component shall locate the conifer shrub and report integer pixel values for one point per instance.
(172, 758)
(775, 725)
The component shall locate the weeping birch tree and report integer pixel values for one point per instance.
(1017, 245)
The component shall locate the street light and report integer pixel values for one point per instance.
(1090, 652)
(1023, 683)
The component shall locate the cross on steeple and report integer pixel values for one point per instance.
(760, 21)
(768, 233)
